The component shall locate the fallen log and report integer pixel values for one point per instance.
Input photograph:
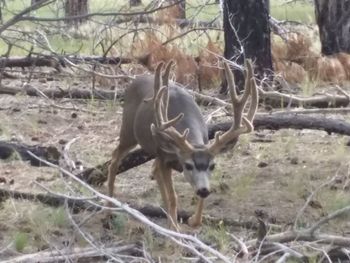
(57, 93)
(76, 254)
(10, 150)
(273, 99)
(79, 205)
(281, 100)
(49, 61)
(98, 174)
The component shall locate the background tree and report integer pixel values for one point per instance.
(333, 19)
(76, 8)
(247, 35)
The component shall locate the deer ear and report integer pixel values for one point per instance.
(163, 141)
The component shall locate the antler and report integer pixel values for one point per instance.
(163, 126)
(238, 103)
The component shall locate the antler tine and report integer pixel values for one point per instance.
(238, 106)
(168, 67)
(231, 83)
(253, 90)
(157, 79)
(166, 83)
(162, 122)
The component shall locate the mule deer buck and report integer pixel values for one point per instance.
(167, 123)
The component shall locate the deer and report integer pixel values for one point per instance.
(163, 118)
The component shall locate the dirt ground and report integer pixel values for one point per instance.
(268, 172)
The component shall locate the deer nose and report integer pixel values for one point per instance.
(203, 192)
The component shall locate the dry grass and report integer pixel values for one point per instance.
(209, 72)
(296, 60)
(344, 59)
(329, 69)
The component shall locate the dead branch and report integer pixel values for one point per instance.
(57, 93)
(98, 175)
(74, 254)
(56, 62)
(302, 235)
(190, 242)
(280, 100)
(10, 150)
(85, 204)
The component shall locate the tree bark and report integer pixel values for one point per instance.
(247, 35)
(333, 20)
(76, 8)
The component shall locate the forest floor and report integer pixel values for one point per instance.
(268, 172)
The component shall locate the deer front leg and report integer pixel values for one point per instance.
(157, 173)
(196, 219)
(172, 208)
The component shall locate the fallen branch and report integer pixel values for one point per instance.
(98, 174)
(51, 61)
(74, 254)
(57, 93)
(86, 204)
(280, 100)
(190, 242)
(10, 150)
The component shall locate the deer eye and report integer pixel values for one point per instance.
(189, 166)
(212, 167)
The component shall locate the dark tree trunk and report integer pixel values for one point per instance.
(76, 8)
(333, 19)
(247, 35)
(135, 2)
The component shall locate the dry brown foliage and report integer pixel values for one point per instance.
(186, 70)
(344, 59)
(168, 15)
(278, 50)
(329, 69)
(209, 72)
(294, 73)
(298, 46)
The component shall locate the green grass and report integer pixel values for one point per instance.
(299, 11)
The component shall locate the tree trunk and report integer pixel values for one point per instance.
(247, 35)
(333, 19)
(76, 8)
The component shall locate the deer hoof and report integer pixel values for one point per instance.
(194, 222)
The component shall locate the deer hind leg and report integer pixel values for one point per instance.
(196, 219)
(118, 154)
